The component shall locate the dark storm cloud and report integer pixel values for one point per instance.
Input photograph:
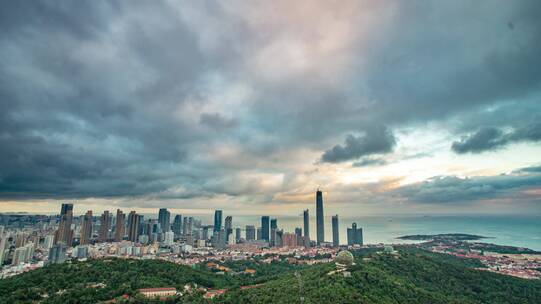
(482, 140)
(376, 141)
(452, 189)
(488, 139)
(87, 97)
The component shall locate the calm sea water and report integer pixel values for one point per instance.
(520, 231)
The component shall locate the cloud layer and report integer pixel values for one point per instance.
(259, 103)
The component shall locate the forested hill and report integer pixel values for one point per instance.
(411, 276)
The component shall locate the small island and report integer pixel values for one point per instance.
(443, 237)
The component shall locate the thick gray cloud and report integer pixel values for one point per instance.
(452, 189)
(197, 99)
(488, 139)
(376, 141)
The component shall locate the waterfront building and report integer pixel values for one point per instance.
(320, 225)
(355, 235)
(335, 235)
(306, 222)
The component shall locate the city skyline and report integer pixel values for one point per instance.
(249, 107)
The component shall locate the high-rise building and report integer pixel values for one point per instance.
(48, 242)
(335, 235)
(133, 226)
(265, 229)
(205, 235)
(3, 243)
(228, 225)
(250, 233)
(64, 234)
(320, 224)
(355, 235)
(105, 225)
(169, 238)
(237, 235)
(278, 237)
(258, 234)
(289, 240)
(298, 233)
(273, 228)
(120, 226)
(189, 226)
(57, 254)
(177, 225)
(23, 254)
(306, 221)
(217, 220)
(164, 218)
(65, 208)
(86, 228)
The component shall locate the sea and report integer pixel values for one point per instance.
(519, 231)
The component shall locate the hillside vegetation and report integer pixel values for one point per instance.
(411, 276)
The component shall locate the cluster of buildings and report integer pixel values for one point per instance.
(522, 265)
(31, 240)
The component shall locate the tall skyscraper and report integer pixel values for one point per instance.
(237, 235)
(320, 225)
(298, 233)
(3, 243)
(133, 226)
(250, 233)
(217, 220)
(86, 228)
(64, 234)
(105, 225)
(306, 218)
(273, 229)
(228, 227)
(335, 235)
(164, 218)
(355, 235)
(265, 229)
(177, 225)
(120, 226)
(65, 208)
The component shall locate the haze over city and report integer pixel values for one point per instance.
(390, 107)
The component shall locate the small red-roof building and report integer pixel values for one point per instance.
(211, 293)
(158, 292)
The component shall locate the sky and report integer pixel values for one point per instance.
(389, 107)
